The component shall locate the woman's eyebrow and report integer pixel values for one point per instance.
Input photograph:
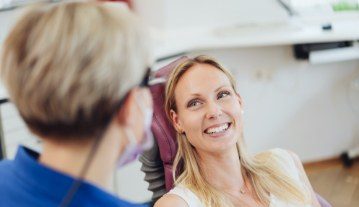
(191, 97)
(220, 87)
(194, 95)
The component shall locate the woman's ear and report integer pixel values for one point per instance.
(240, 100)
(132, 114)
(175, 121)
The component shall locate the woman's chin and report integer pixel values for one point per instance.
(222, 141)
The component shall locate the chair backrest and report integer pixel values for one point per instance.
(163, 130)
(161, 127)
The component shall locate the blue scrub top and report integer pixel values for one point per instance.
(26, 182)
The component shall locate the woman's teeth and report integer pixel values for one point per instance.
(218, 129)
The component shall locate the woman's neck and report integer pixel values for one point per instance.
(223, 170)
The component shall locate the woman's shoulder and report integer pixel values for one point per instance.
(171, 200)
(179, 196)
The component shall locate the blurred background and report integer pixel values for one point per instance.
(297, 67)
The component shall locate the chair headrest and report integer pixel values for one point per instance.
(162, 129)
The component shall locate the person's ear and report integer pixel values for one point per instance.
(176, 122)
(124, 115)
(239, 98)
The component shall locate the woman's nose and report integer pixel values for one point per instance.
(213, 111)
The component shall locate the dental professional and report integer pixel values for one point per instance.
(77, 73)
(212, 167)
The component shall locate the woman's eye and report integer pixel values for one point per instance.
(193, 103)
(223, 94)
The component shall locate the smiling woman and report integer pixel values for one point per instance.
(212, 164)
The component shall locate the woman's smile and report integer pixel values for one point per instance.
(218, 130)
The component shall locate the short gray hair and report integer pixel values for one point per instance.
(66, 66)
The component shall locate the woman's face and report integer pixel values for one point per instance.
(208, 109)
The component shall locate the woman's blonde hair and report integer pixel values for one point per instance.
(67, 65)
(264, 170)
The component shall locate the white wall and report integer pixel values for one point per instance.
(179, 14)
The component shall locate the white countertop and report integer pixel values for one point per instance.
(291, 32)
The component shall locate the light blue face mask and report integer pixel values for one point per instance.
(134, 149)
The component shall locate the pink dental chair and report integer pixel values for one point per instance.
(157, 162)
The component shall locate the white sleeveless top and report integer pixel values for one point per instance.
(193, 201)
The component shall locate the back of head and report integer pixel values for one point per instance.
(66, 66)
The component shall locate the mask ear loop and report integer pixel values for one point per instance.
(130, 136)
